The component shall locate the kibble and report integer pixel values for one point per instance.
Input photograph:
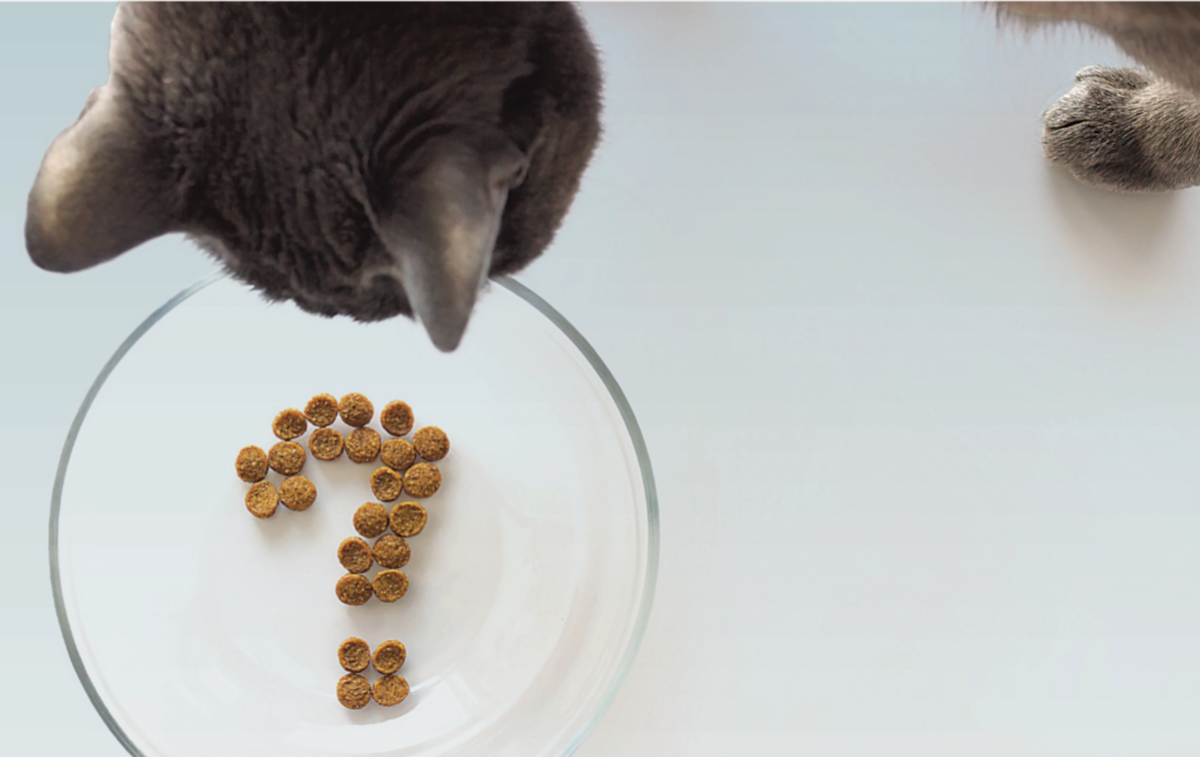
(354, 691)
(262, 500)
(389, 585)
(396, 418)
(401, 473)
(252, 464)
(326, 444)
(391, 551)
(289, 424)
(297, 493)
(362, 445)
(387, 484)
(321, 410)
(354, 589)
(408, 518)
(371, 519)
(390, 690)
(354, 655)
(397, 454)
(355, 555)
(286, 458)
(422, 480)
(356, 409)
(389, 656)
(431, 443)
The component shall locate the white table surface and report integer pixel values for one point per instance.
(922, 409)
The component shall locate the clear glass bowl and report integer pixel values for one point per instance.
(197, 629)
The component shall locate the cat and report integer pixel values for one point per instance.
(1127, 129)
(367, 160)
(380, 159)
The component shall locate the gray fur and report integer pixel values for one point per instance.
(1132, 130)
(367, 160)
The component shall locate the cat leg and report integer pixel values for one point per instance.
(1134, 130)
(1125, 129)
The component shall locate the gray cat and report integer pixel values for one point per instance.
(384, 159)
(368, 160)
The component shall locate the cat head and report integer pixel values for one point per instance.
(362, 160)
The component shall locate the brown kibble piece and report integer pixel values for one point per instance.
(408, 518)
(396, 418)
(432, 443)
(362, 445)
(262, 500)
(387, 484)
(325, 444)
(390, 690)
(397, 454)
(354, 655)
(297, 493)
(389, 656)
(321, 410)
(354, 691)
(356, 409)
(289, 424)
(252, 464)
(371, 519)
(422, 480)
(390, 585)
(391, 551)
(354, 589)
(355, 555)
(286, 458)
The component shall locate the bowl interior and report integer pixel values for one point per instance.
(198, 628)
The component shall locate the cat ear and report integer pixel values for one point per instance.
(439, 219)
(101, 190)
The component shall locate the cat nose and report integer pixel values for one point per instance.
(446, 330)
(444, 318)
(440, 225)
(442, 288)
(440, 261)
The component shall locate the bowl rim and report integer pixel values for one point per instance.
(512, 285)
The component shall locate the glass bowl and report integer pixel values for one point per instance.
(198, 629)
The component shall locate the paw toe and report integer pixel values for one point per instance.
(1088, 100)
(1120, 78)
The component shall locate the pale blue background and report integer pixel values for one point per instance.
(922, 409)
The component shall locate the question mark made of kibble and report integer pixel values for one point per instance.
(401, 473)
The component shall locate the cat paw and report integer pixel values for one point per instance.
(1126, 130)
